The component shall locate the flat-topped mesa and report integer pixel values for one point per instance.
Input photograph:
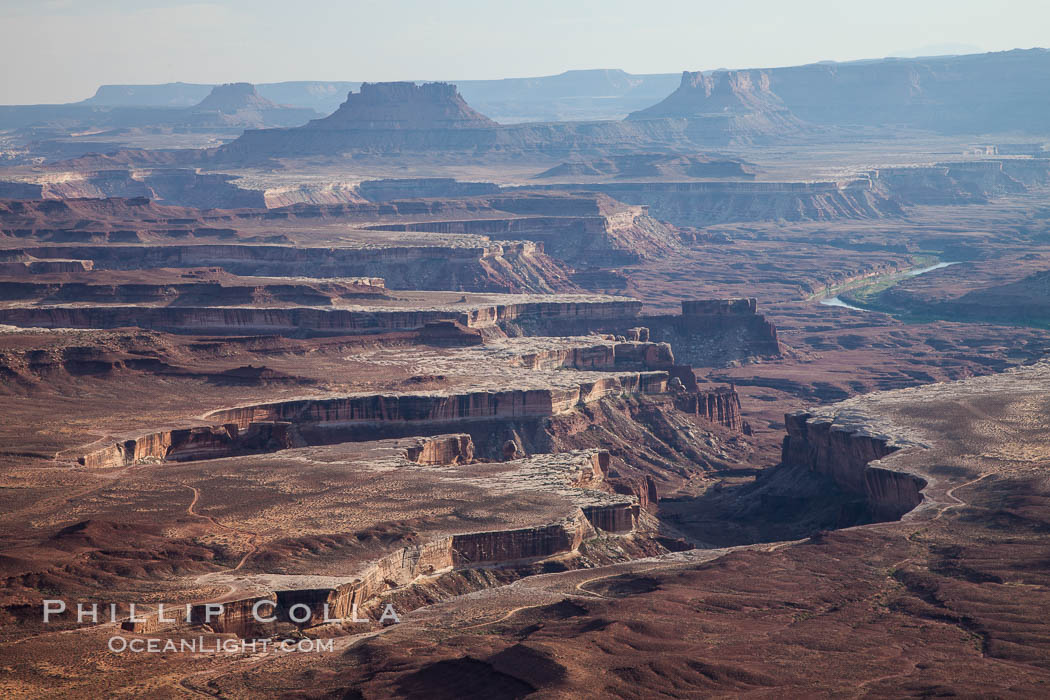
(404, 105)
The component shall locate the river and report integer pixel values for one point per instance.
(835, 301)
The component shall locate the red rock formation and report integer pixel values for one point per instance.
(526, 543)
(619, 517)
(844, 453)
(720, 406)
(280, 425)
(443, 449)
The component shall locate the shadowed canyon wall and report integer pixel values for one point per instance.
(845, 453)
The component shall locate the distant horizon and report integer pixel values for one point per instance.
(64, 49)
(898, 55)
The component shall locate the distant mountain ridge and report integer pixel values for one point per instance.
(1008, 90)
(572, 95)
(978, 93)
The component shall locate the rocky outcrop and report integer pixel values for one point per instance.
(525, 543)
(616, 518)
(602, 357)
(848, 453)
(313, 601)
(387, 118)
(720, 406)
(980, 93)
(745, 306)
(443, 449)
(201, 442)
(713, 333)
(25, 268)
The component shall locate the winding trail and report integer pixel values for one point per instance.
(252, 536)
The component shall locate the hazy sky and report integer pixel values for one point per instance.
(61, 50)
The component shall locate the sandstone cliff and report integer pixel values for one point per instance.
(846, 453)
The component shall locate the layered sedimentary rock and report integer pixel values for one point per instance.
(568, 310)
(708, 332)
(404, 105)
(284, 424)
(573, 94)
(845, 452)
(512, 403)
(470, 265)
(201, 442)
(873, 194)
(443, 449)
(618, 237)
(26, 268)
(706, 203)
(720, 406)
(226, 108)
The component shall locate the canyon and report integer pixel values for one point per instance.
(562, 394)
